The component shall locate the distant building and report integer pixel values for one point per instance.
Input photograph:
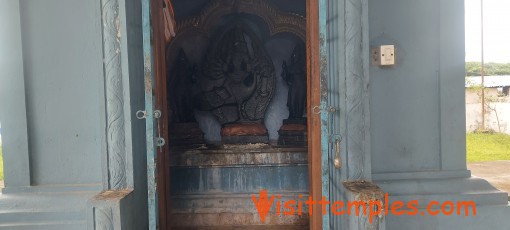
(497, 109)
(501, 82)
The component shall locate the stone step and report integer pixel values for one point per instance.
(72, 225)
(236, 211)
(245, 179)
(448, 189)
(39, 216)
(238, 169)
(237, 155)
(18, 220)
(237, 221)
(232, 203)
(211, 187)
(44, 210)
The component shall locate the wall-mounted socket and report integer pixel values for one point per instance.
(383, 55)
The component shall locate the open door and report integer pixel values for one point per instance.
(154, 115)
(156, 112)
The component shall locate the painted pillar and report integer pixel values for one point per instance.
(347, 113)
(13, 114)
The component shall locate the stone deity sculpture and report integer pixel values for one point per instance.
(295, 76)
(238, 78)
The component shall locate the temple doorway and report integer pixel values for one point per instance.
(231, 81)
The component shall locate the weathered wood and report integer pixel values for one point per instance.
(152, 189)
(314, 99)
(160, 103)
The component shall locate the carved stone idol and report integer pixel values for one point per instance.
(180, 96)
(294, 129)
(295, 76)
(238, 78)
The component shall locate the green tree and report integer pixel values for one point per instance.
(475, 69)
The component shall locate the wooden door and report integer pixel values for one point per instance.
(156, 112)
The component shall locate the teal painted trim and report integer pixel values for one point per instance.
(149, 120)
(323, 55)
(336, 98)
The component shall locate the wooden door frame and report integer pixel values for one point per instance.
(160, 89)
(313, 43)
(314, 101)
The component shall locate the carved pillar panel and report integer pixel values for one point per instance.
(357, 98)
(115, 162)
(348, 84)
(107, 210)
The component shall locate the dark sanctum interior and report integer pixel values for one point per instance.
(237, 95)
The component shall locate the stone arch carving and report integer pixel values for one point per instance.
(277, 21)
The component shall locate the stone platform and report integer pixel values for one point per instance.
(212, 187)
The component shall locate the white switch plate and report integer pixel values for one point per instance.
(383, 55)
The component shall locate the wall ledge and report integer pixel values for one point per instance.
(110, 209)
(444, 189)
(53, 188)
(421, 175)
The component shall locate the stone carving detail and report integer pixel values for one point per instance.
(277, 21)
(180, 91)
(103, 218)
(357, 88)
(295, 76)
(115, 133)
(238, 77)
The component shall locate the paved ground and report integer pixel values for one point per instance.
(496, 172)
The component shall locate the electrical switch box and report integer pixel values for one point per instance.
(383, 55)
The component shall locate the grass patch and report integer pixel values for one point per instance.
(487, 147)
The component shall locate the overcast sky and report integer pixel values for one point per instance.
(496, 30)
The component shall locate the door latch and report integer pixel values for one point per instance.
(337, 161)
(334, 138)
(158, 140)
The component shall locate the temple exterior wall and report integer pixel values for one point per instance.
(55, 126)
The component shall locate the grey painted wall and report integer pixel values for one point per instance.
(417, 106)
(12, 97)
(56, 61)
(62, 53)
